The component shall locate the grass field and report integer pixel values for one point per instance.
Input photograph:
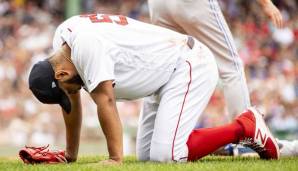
(130, 163)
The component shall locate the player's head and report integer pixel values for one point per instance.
(64, 70)
(51, 78)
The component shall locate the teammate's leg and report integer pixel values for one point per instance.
(203, 19)
(145, 127)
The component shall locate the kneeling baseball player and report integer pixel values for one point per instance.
(115, 57)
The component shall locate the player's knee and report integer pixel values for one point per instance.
(160, 153)
(142, 150)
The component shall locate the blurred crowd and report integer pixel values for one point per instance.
(270, 56)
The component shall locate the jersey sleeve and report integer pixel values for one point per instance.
(91, 59)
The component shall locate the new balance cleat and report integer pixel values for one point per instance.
(257, 136)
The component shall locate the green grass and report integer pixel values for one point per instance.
(130, 163)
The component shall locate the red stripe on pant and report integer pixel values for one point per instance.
(181, 111)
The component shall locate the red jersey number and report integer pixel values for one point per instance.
(104, 18)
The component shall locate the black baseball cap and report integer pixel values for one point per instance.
(45, 87)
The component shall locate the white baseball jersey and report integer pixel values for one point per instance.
(139, 57)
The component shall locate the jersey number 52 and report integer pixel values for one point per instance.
(105, 18)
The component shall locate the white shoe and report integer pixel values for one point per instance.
(288, 148)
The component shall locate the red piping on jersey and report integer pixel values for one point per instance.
(173, 145)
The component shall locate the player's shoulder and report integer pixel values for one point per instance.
(67, 31)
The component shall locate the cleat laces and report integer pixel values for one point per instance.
(248, 142)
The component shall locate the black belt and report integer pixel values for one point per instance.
(190, 42)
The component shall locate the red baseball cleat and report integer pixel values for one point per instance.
(257, 136)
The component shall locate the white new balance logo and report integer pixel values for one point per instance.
(261, 138)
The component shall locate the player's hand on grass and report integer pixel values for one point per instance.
(273, 13)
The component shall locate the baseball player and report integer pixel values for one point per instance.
(118, 58)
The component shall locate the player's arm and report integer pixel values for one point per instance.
(73, 122)
(272, 12)
(103, 96)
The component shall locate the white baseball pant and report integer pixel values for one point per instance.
(169, 116)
